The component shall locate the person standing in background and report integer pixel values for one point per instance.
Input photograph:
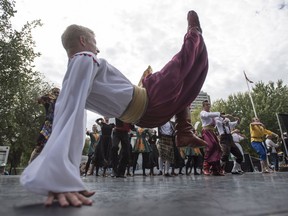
(104, 145)
(94, 138)
(48, 101)
(165, 146)
(224, 127)
(213, 152)
(120, 135)
(143, 147)
(258, 132)
(237, 138)
(272, 151)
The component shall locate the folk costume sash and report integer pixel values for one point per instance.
(136, 107)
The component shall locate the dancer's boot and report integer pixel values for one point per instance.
(184, 131)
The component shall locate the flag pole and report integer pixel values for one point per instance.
(249, 92)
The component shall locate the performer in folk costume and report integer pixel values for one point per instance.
(272, 152)
(194, 159)
(48, 101)
(237, 138)
(224, 126)
(94, 139)
(103, 149)
(130, 155)
(258, 132)
(121, 135)
(165, 146)
(155, 153)
(94, 84)
(213, 153)
(142, 146)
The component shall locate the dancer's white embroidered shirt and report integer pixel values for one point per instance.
(89, 83)
(207, 118)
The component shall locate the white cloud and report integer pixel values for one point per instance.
(240, 35)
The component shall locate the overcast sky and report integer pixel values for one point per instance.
(132, 34)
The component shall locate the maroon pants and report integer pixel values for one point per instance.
(213, 151)
(176, 86)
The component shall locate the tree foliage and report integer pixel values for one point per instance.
(20, 85)
(195, 118)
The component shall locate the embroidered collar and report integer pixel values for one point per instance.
(86, 54)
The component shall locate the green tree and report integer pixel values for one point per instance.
(195, 118)
(20, 85)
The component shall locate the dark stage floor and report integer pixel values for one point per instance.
(248, 194)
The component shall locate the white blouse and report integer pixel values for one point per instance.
(89, 83)
(207, 118)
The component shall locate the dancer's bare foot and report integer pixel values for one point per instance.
(65, 199)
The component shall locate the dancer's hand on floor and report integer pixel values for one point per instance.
(65, 199)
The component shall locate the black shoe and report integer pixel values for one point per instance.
(217, 173)
(237, 173)
(114, 173)
(120, 176)
(160, 173)
(168, 175)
